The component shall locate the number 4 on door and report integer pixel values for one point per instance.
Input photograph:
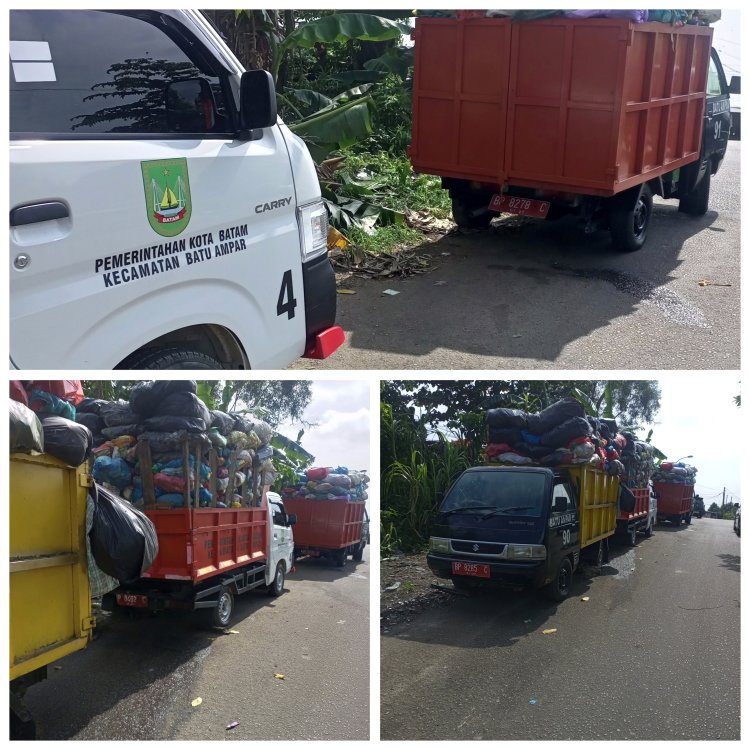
(287, 303)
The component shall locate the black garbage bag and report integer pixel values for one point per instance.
(173, 423)
(67, 440)
(553, 416)
(93, 421)
(26, 433)
(126, 429)
(183, 404)
(116, 413)
(509, 435)
(532, 451)
(627, 500)
(171, 442)
(90, 406)
(264, 452)
(507, 418)
(223, 422)
(611, 427)
(123, 540)
(569, 430)
(146, 397)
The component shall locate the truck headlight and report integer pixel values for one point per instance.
(526, 552)
(438, 544)
(313, 230)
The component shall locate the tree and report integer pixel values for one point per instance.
(109, 390)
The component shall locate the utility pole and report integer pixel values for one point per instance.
(723, 496)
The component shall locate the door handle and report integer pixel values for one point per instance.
(34, 213)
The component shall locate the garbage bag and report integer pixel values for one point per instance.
(67, 440)
(18, 392)
(114, 471)
(554, 415)
(26, 433)
(514, 458)
(315, 474)
(511, 435)
(262, 454)
(183, 404)
(91, 405)
(215, 436)
(171, 423)
(637, 16)
(567, 431)
(123, 540)
(506, 418)
(171, 442)
(340, 480)
(47, 403)
(146, 397)
(223, 422)
(116, 413)
(122, 430)
(93, 421)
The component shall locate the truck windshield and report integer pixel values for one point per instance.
(505, 492)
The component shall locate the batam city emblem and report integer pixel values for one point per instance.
(167, 189)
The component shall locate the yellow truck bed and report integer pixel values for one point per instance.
(598, 495)
(50, 603)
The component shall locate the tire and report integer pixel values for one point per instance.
(340, 558)
(357, 556)
(276, 587)
(688, 519)
(470, 211)
(649, 530)
(632, 537)
(695, 203)
(560, 586)
(169, 359)
(221, 615)
(628, 224)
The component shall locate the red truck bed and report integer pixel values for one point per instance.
(590, 106)
(641, 505)
(197, 543)
(673, 499)
(326, 524)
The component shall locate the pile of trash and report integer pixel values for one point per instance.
(168, 415)
(675, 473)
(322, 483)
(672, 17)
(562, 434)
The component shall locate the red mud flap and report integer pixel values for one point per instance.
(325, 343)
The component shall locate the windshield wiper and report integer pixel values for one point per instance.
(511, 509)
(466, 509)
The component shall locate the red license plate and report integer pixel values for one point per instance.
(523, 206)
(132, 600)
(470, 569)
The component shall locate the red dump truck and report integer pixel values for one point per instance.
(208, 555)
(675, 502)
(638, 515)
(328, 528)
(559, 116)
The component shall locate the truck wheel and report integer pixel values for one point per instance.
(632, 536)
(695, 203)
(649, 530)
(276, 587)
(560, 586)
(628, 223)
(688, 519)
(340, 558)
(470, 211)
(357, 556)
(170, 359)
(221, 614)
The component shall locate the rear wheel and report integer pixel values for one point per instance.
(688, 519)
(340, 558)
(357, 556)
(560, 586)
(632, 536)
(470, 211)
(695, 203)
(628, 222)
(221, 614)
(649, 530)
(170, 359)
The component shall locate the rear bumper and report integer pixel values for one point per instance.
(533, 573)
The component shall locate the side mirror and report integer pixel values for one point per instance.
(734, 85)
(559, 504)
(190, 106)
(291, 519)
(257, 100)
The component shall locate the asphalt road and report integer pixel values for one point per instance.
(653, 655)
(138, 678)
(542, 295)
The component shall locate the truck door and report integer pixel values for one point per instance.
(717, 120)
(282, 542)
(130, 220)
(563, 536)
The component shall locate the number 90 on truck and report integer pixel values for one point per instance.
(161, 215)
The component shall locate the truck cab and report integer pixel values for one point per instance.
(281, 545)
(516, 526)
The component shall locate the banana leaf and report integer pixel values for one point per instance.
(341, 27)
